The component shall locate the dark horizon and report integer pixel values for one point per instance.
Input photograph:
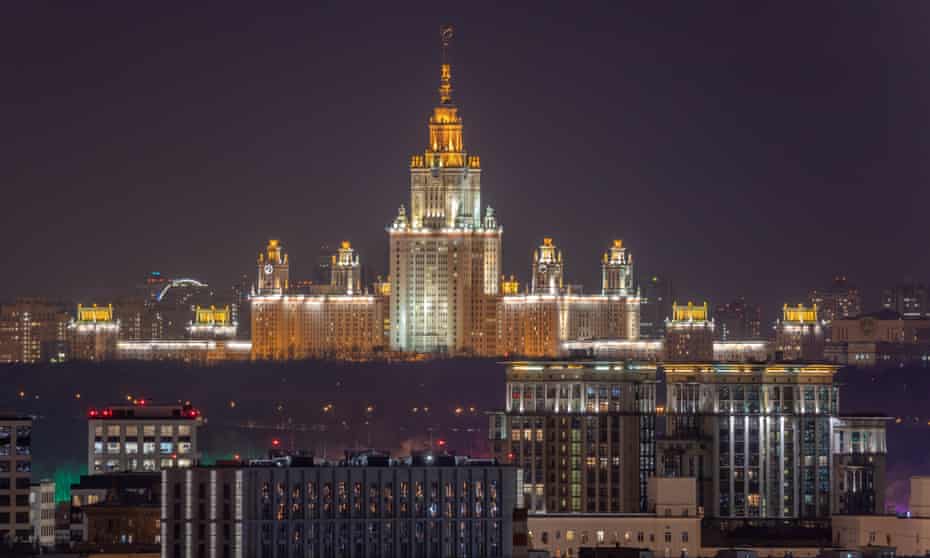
(737, 149)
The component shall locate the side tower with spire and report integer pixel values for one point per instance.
(445, 255)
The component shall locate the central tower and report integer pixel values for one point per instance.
(445, 257)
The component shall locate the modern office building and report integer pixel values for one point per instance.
(366, 506)
(142, 437)
(582, 433)
(767, 441)
(738, 321)
(444, 255)
(33, 330)
(840, 300)
(15, 479)
(540, 324)
(93, 333)
(689, 334)
(799, 334)
(345, 322)
(908, 299)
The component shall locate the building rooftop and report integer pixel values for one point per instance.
(368, 458)
(145, 410)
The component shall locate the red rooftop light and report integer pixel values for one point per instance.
(92, 413)
(275, 442)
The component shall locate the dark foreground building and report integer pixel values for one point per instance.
(365, 506)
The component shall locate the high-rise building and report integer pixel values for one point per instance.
(346, 271)
(541, 323)
(908, 299)
(273, 270)
(444, 255)
(33, 330)
(617, 271)
(657, 296)
(582, 433)
(799, 335)
(336, 321)
(767, 432)
(765, 440)
(840, 300)
(93, 333)
(738, 320)
(15, 479)
(367, 506)
(689, 334)
(142, 437)
(547, 269)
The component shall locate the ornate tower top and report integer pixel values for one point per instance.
(445, 69)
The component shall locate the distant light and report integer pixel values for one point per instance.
(275, 442)
(442, 443)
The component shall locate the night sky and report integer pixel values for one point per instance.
(739, 149)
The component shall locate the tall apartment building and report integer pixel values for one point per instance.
(15, 479)
(767, 441)
(582, 433)
(142, 437)
(445, 255)
(541, 323)
(212, 323)
(33, 330)
(366, 506)
(738, 320)
(689, 334)
(909, 299)
(93, 333)
(799, 334)
(839, 300)
(345, 321)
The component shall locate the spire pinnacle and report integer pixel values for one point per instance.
(445, 74)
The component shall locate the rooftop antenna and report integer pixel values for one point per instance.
(445, 80)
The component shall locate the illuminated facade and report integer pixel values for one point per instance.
(541, 324)
(756, 436)
(582, 433)
(212, 323)
(289, 326)
(689, 334)
(93, 334)
(617, 271)
(190, 351)
(142, 437)
(33, 330)
(547, 269)
(345, 271)
(444, 254)
(273, 270)
(799, 335)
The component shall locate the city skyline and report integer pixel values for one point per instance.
(305, 203)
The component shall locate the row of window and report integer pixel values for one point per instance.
(132, 430)
(148, 448)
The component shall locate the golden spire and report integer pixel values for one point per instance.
(445, 69)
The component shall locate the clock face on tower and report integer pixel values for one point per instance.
(268, 269)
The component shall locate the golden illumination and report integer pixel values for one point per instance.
(510, 286)
(95, 313)
(800, 314)
(212, 316)
(689, 313)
